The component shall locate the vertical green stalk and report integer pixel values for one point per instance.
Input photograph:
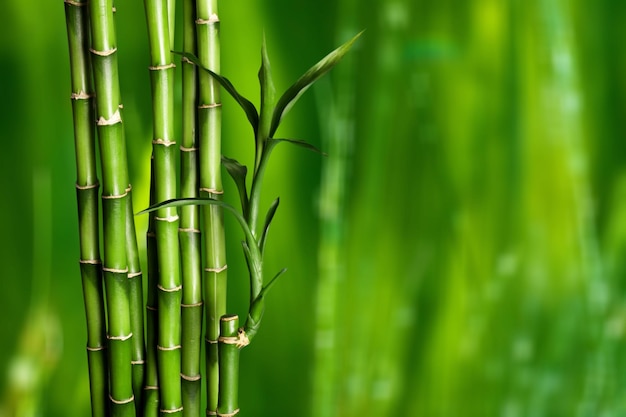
(114, 196)
(87, 185)
(229, 345)
(151, 382)
(209, 137)
(189, 231)
(166, 220)
(135, 283)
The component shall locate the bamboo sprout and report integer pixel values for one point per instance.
(189, 231)
(166, 220)
(209, 137)
(87, 185)
(229, 346)
(114, 196)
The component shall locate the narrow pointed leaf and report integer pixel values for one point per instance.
(268, 221)
(180, 202)
(238, 173)
(268, 94)
(301, 143)
(270, 284)
(289, 98)
(246, 105)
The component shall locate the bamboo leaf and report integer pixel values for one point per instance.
(268, 94)
(268, 221)
(270, 284)
(198, 201)
(298, 142)
(293, 93)
(238, 173)
(246, 105)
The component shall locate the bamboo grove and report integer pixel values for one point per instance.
(145, 358)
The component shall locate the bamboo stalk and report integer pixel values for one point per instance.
(189, 231)
(229, 346)
(151, 382)
(135, 283)
(87, 186)
(114, 195)
(166, 220)
(209, 137)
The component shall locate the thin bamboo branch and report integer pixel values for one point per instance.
(87, 186)
(166, 220)
(209, 132)
(114, 195)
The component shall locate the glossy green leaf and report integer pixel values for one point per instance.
(268, 220)
(270, 284)
(238, 173)
(293, 93)
(268, 94)
(298, 142)
(246, 105)
(198, 201)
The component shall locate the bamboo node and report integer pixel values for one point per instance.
(134, 274)
(120, 338)
(169, 219)
(130, 187)
(177, 410)
(186, 60)
(209, 106)
(216, 269)
(190, 378)
(162, 288)
(115, 270)
(151, 387)
(103, 53)
(113, 120)
(169, 348)
(152, 308)
(209, 341)
(138, 362)
(95, 349)
(164, 142)
(211, 412)
(76, 3)
(87, 187)
(90, 261)
(213, 18)
(184, 149)
(211, 190)
(81, 95)
(198, 304)
(241, 340)
(162, 67)
(231, 414)
(120, 402)
(188, 230)
(113, 197)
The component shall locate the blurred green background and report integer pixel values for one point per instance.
(459, 252)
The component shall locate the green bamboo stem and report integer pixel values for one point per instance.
(209, 137)
(189, 231)
(151, 381)
(166, 220)
(135, 282)
(77, 19)
(114, 195)
(229, 347)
